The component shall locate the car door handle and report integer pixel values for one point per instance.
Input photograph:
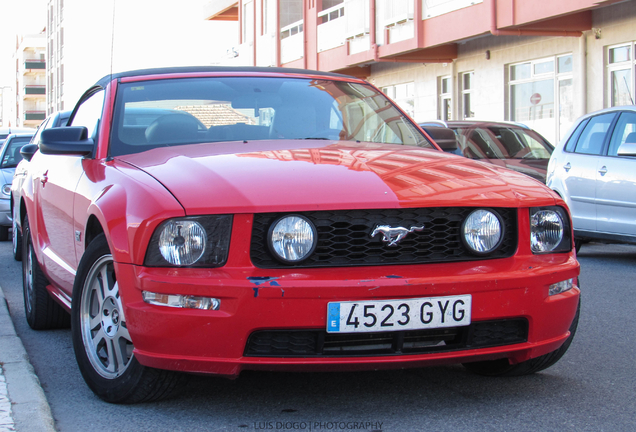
(45, 177)
(567, 167)
(603, 171)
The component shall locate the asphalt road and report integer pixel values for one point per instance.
(592, 388)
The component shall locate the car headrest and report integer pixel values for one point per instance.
(172, 129)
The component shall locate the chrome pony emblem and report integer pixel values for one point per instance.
(393, 236)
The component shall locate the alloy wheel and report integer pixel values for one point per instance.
(104, 334)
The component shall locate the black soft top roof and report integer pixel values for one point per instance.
(207, 69)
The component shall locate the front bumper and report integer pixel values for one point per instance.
(296, 299)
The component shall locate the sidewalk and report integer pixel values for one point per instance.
(23, 406)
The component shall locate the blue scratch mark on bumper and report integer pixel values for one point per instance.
(260, 280)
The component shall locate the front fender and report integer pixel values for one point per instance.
(128, 205)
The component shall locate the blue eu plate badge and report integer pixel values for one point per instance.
(333, 317)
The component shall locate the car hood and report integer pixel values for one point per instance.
(272, 176)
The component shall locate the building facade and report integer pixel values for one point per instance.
(30, 84)
(86, 40)
(540, 62)
(78, 50)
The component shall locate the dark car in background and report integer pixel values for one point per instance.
(510, 145)
(9, 159)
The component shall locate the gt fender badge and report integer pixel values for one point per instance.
(393, 236)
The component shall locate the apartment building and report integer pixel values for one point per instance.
(86, 40)
(78, 49)
(539, 62)
(30, 84)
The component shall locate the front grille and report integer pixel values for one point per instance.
(311, 343)
(344, 237)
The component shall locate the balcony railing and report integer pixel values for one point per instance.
(34, 90)
(331, 27)
(35, 64)
(34, 115)
(356, 18)
(291, 44)
(433, 8)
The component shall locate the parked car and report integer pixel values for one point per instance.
(310, 225)
(9, 158)
(594, 169)
(57, 119)
(5, 132)
(510, 145)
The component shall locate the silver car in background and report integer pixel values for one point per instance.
(594, 169)
(9, 159)
(5, 132)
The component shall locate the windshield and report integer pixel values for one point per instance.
(502, 142)
(171, 112)
(11, 156)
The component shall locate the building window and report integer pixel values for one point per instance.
(403, 95)
(445, 107)
(466, 83)
(533, 86)
(620, 74)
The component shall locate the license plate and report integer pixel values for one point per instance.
(392, 315)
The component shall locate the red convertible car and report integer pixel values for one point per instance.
(215, 220)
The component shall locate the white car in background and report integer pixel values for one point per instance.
(594, 169)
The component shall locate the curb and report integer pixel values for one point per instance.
(20, 389)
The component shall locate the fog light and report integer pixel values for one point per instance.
(483, 231)
(292, 238)
(562, 286)
(182, 301)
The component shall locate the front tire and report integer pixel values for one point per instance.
(502, 367)
(4, 233)
(42, 312)
(577, 244)
(103, 347)
(17, 242)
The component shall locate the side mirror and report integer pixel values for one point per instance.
(28, 151)
(627, 149)
(69, 140)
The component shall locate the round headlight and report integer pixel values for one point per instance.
(482, 231)
(292, 238)
(182, 242)
(546, 231)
